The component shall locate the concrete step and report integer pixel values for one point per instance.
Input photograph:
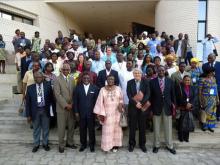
(10, 69)
(13, 121)
(8, 79)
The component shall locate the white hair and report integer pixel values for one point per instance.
(137, 70)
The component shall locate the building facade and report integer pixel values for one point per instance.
(195, 17)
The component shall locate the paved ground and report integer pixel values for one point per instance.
(17, 154)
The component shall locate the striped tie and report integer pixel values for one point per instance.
(161, 83)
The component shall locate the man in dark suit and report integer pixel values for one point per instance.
(102, 76)
(84, 101)
(25, 61)
(162, 102)
(138, 94)
(216, 64)
(180, 48)
(38, 101)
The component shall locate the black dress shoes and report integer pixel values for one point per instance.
(131, 148)
(143, 148)
(172, 151)
(155, 150)
(82, 148)
(46, 147)
(71, 146)
(211, 130)
(92, 148)
(61, 150)
(35, 149)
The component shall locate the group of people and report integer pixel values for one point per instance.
(147, 77)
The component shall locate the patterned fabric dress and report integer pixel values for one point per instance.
(36, 44)
(2, 51)
(107, 106)
(209, 97)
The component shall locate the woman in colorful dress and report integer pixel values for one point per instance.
(2, 55)
(36, 41)
(208, 97)
(108, 108)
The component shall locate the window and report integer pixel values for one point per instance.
(6, 16)
(202, 23)
(11, 16)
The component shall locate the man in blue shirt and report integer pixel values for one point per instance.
(153, 44)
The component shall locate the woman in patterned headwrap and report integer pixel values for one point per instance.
(195, 71)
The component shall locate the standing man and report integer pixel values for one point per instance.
(162, 102)
(153, 43)
(109, 56)
(63, 90)
(102, 76)
(120, 65)
(208, 46)
(85, 96)
(23, 42)
(97, 63)
(180, 48)
(138, 94)
(39, 98)
(124, 77)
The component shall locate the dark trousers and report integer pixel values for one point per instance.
(137, 118)
(87, 123)
(41, 122)
(188, 57)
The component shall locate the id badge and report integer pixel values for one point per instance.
(187, 99)
(212, 91)
(194, 80)
(38, 99)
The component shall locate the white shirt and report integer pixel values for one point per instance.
(107, 73)
(86, 88)
(119, 67)
(124, 77)
(42, 91)
(178, 52)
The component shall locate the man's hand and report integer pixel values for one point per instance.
(189, 106)
(138, 105)
(29, 120)
(68, 107)
(77, 116)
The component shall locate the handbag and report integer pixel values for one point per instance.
(21, 109)
(123, 120)
(188, 122)
(215, 50)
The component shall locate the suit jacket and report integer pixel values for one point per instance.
(181, 97)
(132, 91)
(183, 47)
(176, 77)
(159, 100)
(102, 77)
(31, 99)
(63, 92)
(84, 104)
(24, 66)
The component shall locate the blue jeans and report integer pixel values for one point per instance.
(41, 122)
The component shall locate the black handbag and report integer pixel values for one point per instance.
(188, 122)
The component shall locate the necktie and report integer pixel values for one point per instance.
(137, 86)
(40, 94)
(161, 83)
